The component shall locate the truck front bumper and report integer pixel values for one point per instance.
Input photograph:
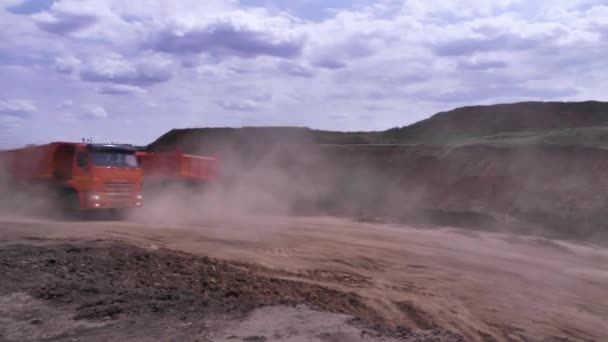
(107, 200)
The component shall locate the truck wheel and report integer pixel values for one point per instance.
(72, 201)
(69, 202)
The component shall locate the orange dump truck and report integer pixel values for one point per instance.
(78, 176)
(176, 168)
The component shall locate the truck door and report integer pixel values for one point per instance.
(64, 157)
(82, 165)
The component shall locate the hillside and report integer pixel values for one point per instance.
(571, 124)
(483, 121)
(528, 167)
(212, 140)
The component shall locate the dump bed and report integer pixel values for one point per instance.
(32, 162)
(176, 166)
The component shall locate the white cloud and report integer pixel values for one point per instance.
(120, 89)
(9, 122)
(17, 108)
(94, 111)
(238, 105)
(10, 3)
(218, 63)
(116, 69)
(66, 65)
(64, 23)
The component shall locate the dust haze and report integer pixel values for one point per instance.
(441, 241)
(280, 181)
(510, 190)
(19, 199)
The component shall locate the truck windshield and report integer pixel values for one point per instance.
(113, 158)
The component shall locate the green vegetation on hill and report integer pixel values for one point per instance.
(589, 137)
(463, 124)
(527, 123)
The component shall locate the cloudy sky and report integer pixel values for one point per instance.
(128, 71)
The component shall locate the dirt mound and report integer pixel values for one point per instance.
(477, 121)
(551, 191)
(458, 125)
(105, 280)
(110, 279)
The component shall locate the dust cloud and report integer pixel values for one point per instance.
(548, 192)
(25, 200)
(248, 189)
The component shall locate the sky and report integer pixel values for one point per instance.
(128, 71)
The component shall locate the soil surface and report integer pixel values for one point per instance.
(99, 290)
(135, 279)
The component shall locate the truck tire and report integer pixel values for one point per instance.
(69, 203)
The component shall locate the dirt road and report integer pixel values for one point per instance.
(482, 285)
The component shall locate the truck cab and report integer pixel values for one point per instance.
(77, 176)
(106, 176)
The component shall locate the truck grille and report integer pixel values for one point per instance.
(119, 189)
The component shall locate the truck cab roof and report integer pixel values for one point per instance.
(112, 147)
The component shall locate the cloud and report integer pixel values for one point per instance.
(9, 122)
(261, 97)
(375, 107)
(294, 69)
(238, 105)
(348, 48)
(118, 70)
(505, 92)
(64, 23)
(66, 65)
(483, 65)
(468, 46)
(30, 6)
(17, 108)
(329, 63)
(13, 114)
(402, 73)
(225, 39)
(67, 104)
(93, 111)
(397, 60)
(120, 89)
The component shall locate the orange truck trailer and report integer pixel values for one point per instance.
(80, 176)
(176, 168)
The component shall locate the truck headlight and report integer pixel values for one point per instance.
(139, 197)
(95, 197)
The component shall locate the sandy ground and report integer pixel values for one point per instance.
(482, 285)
